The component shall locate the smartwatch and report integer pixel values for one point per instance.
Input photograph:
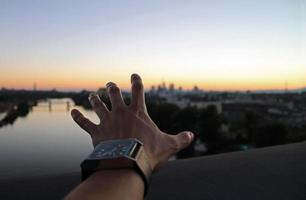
(118, 154)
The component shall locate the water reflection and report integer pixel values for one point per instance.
(46, 141)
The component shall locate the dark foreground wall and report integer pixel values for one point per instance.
(268, 173)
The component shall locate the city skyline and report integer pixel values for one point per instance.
(163, 86)
(220, 45)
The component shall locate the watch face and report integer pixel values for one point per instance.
(113, 149)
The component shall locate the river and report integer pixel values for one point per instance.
(45, 142)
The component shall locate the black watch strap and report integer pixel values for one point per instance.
(136, 158)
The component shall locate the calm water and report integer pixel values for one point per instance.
(46, 141)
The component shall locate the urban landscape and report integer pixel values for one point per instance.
(222, 121)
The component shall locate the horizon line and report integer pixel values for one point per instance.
(297, 89)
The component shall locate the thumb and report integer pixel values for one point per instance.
(184, 139)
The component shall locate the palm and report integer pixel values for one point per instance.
(131, 121)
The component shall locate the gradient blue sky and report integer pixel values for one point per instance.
(221, 44)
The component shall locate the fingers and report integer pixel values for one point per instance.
(138, 97)
(115, 95)
(83, 122)
(183, 140)
(98, 106)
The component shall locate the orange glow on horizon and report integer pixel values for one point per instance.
(93, 84)
(94, 77)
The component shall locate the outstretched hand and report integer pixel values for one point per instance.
(131, 121)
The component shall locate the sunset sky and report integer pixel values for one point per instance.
(217, 45)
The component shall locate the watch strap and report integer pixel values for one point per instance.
(140, 165)
(144, 169)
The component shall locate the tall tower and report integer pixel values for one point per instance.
(34, 86)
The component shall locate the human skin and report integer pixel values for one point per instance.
(125, 121)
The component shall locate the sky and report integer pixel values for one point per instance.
(216, 45)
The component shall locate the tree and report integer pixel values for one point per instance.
(271, 134)
(209, 123)
(185, 119)
(162, 115)
(251, 124)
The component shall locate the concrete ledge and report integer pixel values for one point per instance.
(268, 173)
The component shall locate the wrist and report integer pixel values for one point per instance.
(116, 155)
(108, 183)
(124, 175)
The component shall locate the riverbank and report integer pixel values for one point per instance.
(268, 173)
(15, 111)
(4, 107)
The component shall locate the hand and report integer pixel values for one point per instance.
(131, 121)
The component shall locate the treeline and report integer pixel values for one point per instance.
(211, 128)
(31, 95)
(20, 110)
(216, 131)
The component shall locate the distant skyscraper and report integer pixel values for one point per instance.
(34, 87)
(159, 87)
(164, 85)
(286, 86)
(171, 87)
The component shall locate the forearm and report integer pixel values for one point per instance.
(122, 184)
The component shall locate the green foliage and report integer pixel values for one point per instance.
(171, 119)
(185, 119)
(209, 122)
(252, 120)
(271, 134)
(162, 114)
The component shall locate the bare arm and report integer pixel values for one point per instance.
(110, 184)
(125, 121)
